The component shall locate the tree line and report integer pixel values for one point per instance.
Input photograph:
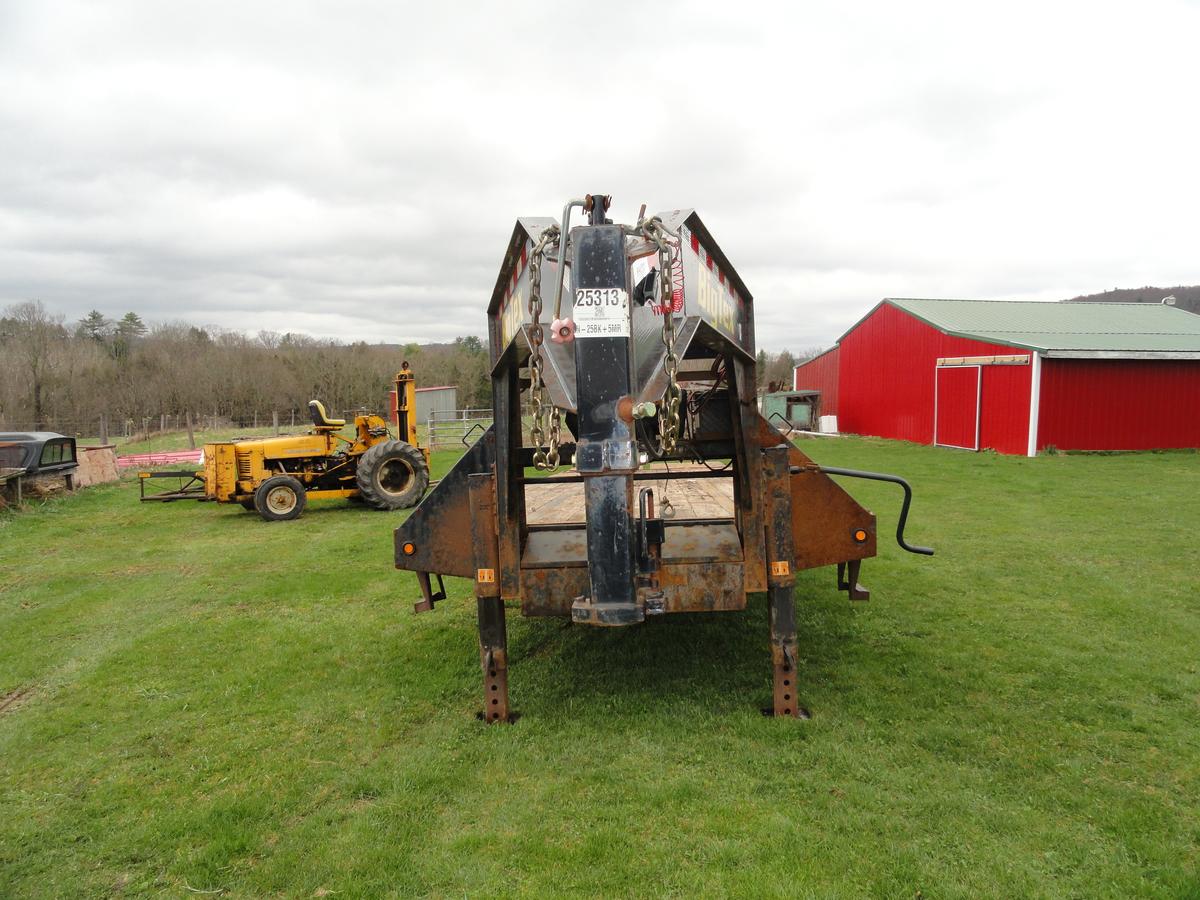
(63, 376)
(56, 375)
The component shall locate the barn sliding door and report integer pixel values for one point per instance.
(956, 406)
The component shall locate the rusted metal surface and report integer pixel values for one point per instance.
(437, 536)
(701, 569)
(747, 494)
(550, 591)
(782, 579)
(702, 586)
(510, 489)
(493, 636)
(825, 519)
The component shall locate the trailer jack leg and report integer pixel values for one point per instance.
(493, 658)
(782, 613)
(493, 636)
(781, 597)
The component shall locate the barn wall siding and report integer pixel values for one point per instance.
(820, 374)
(1100, 404)
(886, 382)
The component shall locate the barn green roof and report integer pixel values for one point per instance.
(1115, 330)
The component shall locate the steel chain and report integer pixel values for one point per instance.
(668, 412)
(544, 458)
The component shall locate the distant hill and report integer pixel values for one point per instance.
(1185, 297)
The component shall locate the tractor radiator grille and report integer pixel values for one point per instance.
(243, 466)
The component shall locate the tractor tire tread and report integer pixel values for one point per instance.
(370, 464)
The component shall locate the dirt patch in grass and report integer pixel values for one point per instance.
(14, 700)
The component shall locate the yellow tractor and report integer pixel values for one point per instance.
(277, 475)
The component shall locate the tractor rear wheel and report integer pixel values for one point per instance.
(392, 475)
(279, 498)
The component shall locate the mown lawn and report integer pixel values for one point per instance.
(214, 703)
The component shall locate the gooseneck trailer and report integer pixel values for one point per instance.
(651, 484)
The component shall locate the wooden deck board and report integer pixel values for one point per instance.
(691, 498)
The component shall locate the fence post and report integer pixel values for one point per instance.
(162, 422)
(103, 429)
(191, 434)
(275, 421)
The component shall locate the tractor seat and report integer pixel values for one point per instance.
(320, 418)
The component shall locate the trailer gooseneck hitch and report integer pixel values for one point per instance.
(652, 367)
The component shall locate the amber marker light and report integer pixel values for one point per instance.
(860, 535)
(409, 548)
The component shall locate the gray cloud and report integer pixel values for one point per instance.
(353, 171)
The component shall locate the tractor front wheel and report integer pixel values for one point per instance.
(392, 475)
(279, 498)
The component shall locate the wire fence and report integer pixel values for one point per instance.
(448, 428)
(172, 431)
(440, 430)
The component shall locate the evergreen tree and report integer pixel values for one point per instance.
(131, 326)
(95, 326)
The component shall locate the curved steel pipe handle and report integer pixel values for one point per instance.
(564, 230)
(894, 479)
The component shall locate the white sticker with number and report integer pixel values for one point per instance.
(601, 312)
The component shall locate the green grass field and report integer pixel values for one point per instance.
(206, 702)
(159, 442)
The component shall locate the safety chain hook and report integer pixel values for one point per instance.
(544, 458)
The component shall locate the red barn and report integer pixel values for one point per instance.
(820, 374)
(1017, 377)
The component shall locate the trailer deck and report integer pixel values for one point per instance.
(690, 498)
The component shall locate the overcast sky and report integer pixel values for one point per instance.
(353, 170)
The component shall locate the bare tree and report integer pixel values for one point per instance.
(35, 333)
(118, 367)
(779, 371)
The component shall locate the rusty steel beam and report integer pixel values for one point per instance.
(493, 636)
(747, 486)
(509, 489)
(781, 581)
